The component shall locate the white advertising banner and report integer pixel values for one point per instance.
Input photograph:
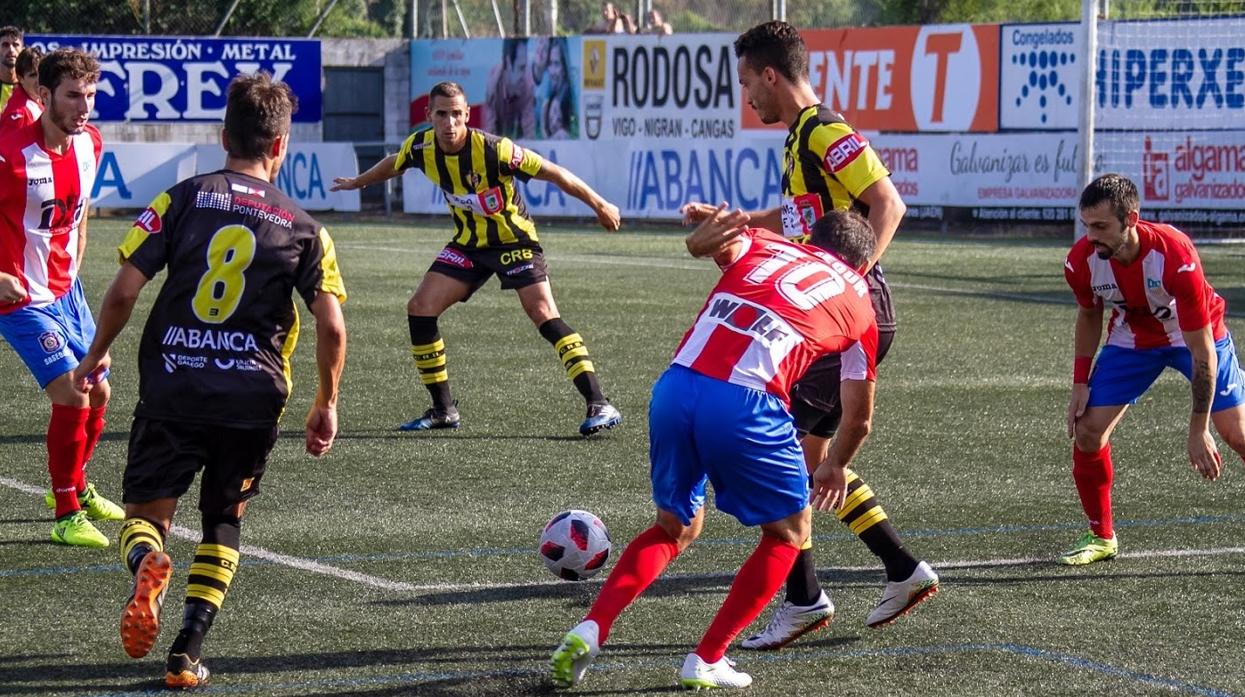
(1187, 173)
(1040, 67)
(306, 175)
(132, 174)
(680, 87)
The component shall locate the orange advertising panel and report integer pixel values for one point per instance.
(905, 79)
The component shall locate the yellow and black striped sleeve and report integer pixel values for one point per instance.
(515, 160)
(146, 244)
(845, 155)
(411, 154)
(318, 271)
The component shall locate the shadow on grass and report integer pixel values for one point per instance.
(441, 670)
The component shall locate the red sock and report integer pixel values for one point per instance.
(66, 440)
(640, 564)
(1093, 474)
(94, 429)
(756, 583)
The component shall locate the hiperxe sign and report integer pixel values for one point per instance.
(185, 79)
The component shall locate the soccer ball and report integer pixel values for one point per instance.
(574, 545)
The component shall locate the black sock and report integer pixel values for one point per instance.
(865, 517)
(574, 357)
(429, 352)
(802, 585)
(196, 621)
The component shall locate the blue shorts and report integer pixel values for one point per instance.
(51, 339)
(1121, 375)
(742, 440)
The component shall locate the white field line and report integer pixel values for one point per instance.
(386, 584)
(259, 552)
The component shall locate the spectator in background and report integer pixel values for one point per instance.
(511, 98)
(11, 39)
(24, 106)
(654, 23)
(612, 22)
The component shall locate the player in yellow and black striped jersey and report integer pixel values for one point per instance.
(828, 166)
(11, 39)
(214, 360)
(493, 235)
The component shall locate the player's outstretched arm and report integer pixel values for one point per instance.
(717, 235)
(607, 213)
(695, 212)
(886, 211)
(114, 313)
(830, 478)
(330, 359)
(1203, 454)
(385, 169)
(1085, 338)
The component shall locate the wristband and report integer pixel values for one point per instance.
(1080, 369)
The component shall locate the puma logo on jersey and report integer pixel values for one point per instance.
(1068, 265)
(1227, 390)
(1187, 267)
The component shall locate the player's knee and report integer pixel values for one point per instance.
(793, 530)
(683, 534)
(100, 393)
(417, 307)
(1089, 438)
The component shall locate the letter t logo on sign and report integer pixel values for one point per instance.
(941, 46)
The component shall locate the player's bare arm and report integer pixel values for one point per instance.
(607, 213)
(717, 236)
(11, 289)
(1203, 453)
(830, 478)
(330, 359)
(82, 236)
(114, 313)
(696, 212)
(1085, 338)
(886, 211)
(385, 169)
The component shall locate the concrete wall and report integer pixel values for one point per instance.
(392, 54)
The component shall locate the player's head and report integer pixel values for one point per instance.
(258, 113)
(448, 112)
(772, 57)
(1109, 209)
(28, 69)
(11, 41)
(845, 234)
(67, 78)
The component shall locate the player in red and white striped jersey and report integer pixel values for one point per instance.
(1164, 314)
(24, 106)
(47, 170)
(720, 414)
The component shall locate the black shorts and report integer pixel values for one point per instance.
(517, 266)
(165, 456)
(815, 398)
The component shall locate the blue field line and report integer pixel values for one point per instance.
(422, 677)
(479, 552)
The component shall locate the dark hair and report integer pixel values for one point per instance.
(28, 60)
(446, 89)
(1116, 188)
(72, 63)
(845, 234)
(11, 30)
(774, 45)
(510, 48)
(257, 112)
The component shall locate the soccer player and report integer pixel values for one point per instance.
(1164, 314)
(214, 360)
(47, 169)
(827, 166)
(11, 39)
(719, 413)
(493, 235)
(24, 107)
